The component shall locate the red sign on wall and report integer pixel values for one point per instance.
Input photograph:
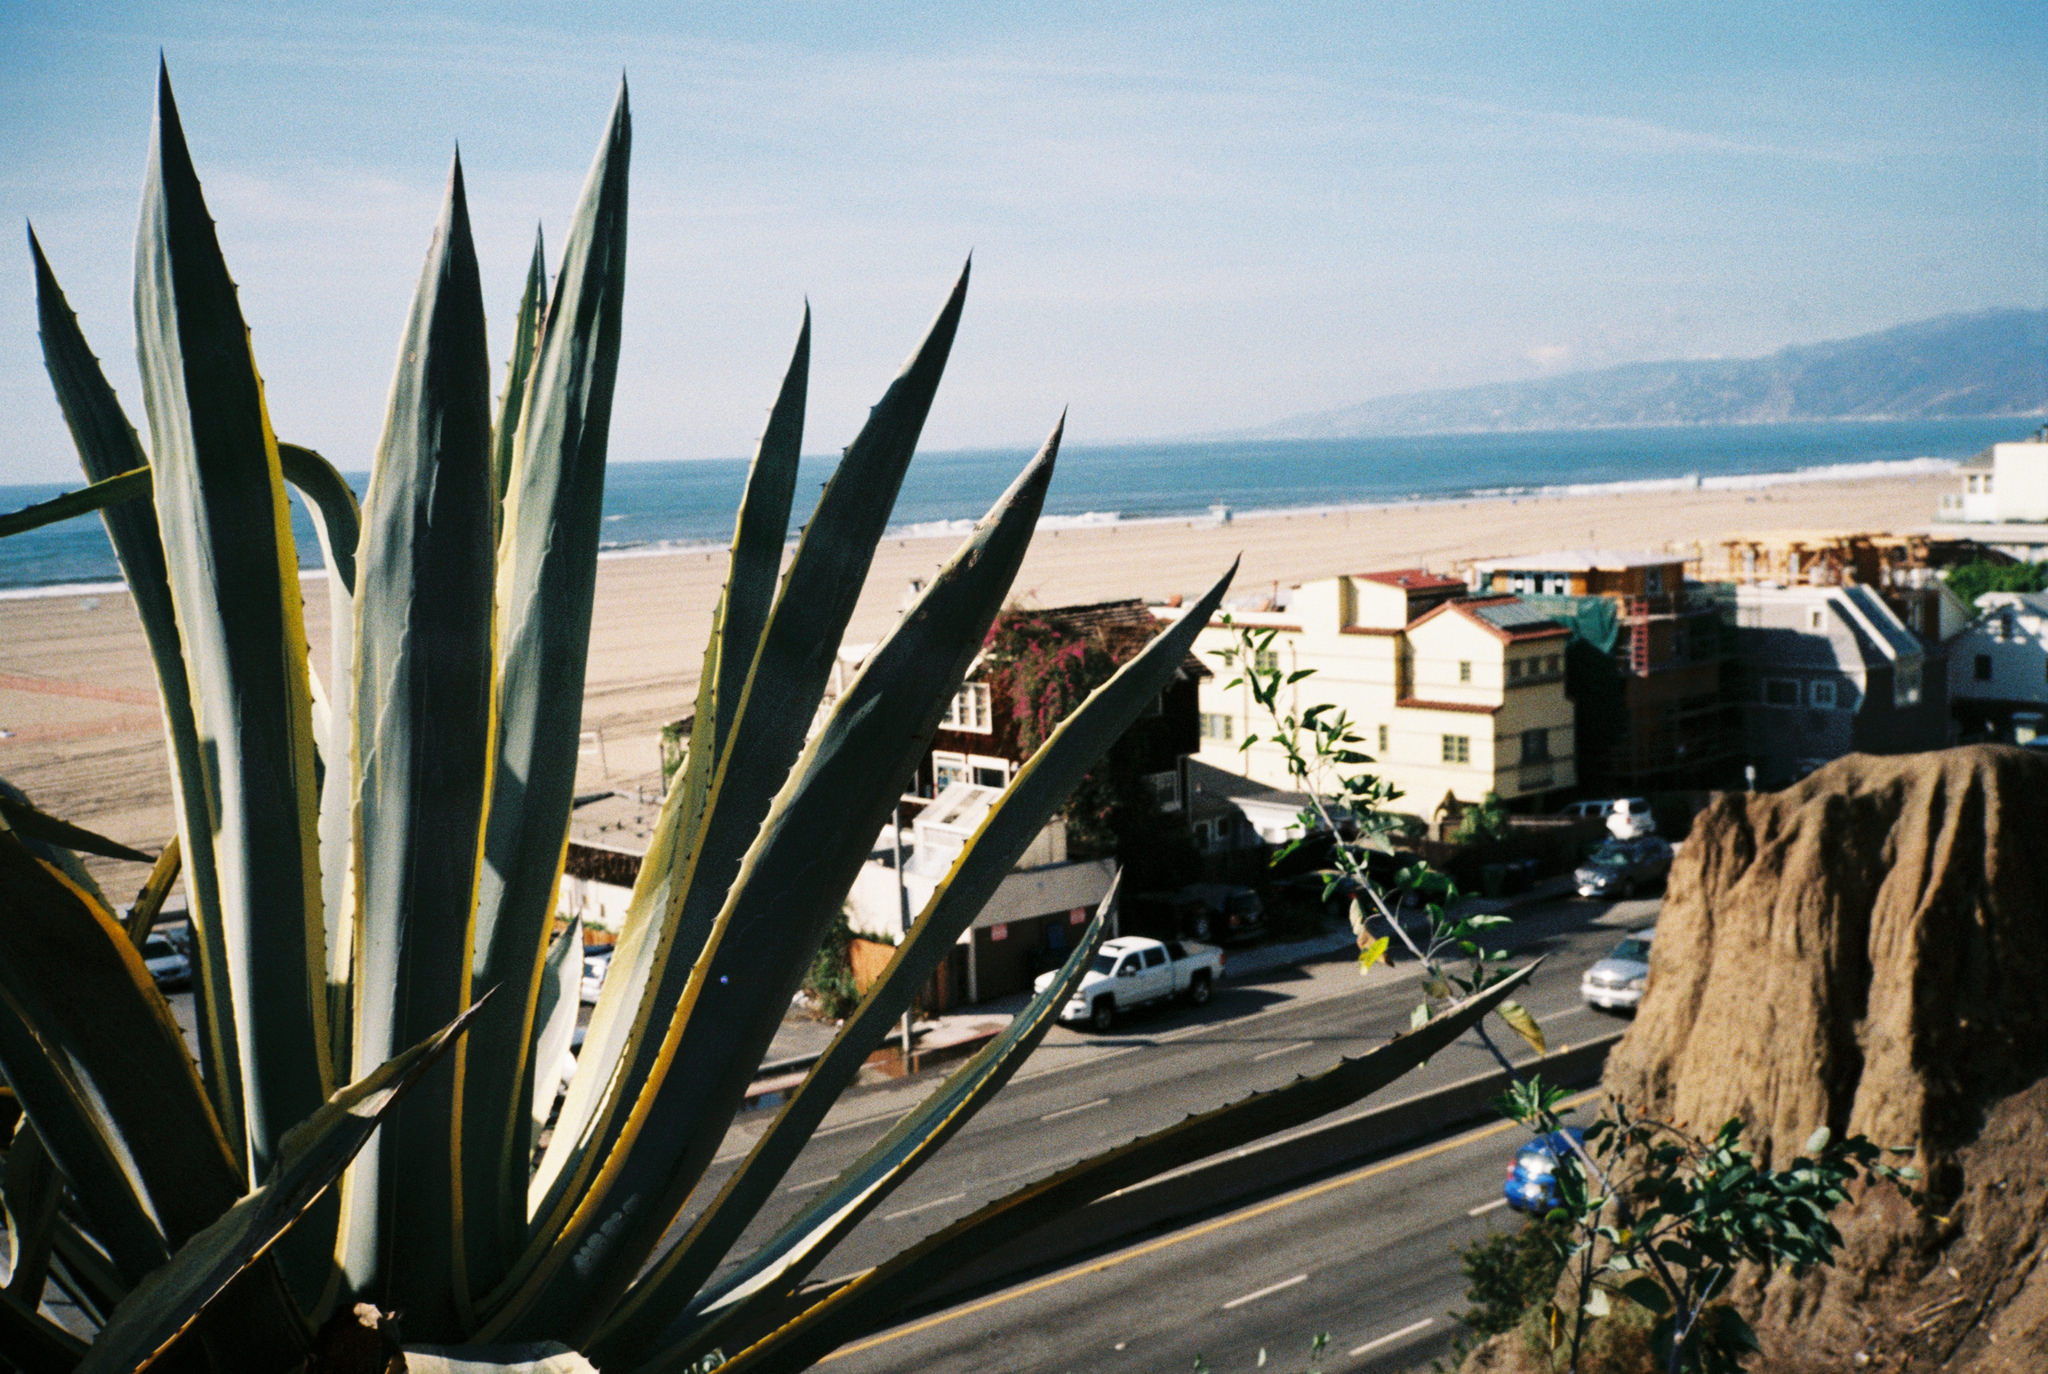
(1078, 916)
(998, 932)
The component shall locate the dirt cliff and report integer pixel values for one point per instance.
(1869, 950)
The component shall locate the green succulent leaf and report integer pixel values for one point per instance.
(795, 876)
(1523, 1024)
(860, 1305)
(31, 1190)
(533, 307)
(649, 940)
(311, 1155)
(546, 576)
(422, 763)
(31, 824)
(101, 1071)
(554, 1021)
(35, 1344)
(234, 581)
(768, 725)
(1020, 812)
(126, 486)
(107, 446)
(741, 1299)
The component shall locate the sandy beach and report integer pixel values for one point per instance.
(77, 695)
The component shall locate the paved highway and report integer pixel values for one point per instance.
(1365, 1256)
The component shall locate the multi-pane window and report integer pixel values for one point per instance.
(948, 769)
(1218, 725)
(970, 710)
(1383, 741)
(1821, 693)
(1457, 749)
(1266, 660)
(1464, 670)
(1535, 746)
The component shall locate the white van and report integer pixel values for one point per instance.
(1628, 818)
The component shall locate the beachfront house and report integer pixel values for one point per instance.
(1644, 664)
(1453, 695)
(2001, 497)
(1998, 668)
(1061, 880)
(1825, 671)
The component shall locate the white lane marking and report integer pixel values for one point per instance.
(924, 1207)
(1284, 1049)
(1069, 1111)
(1393, 1336)
(1483, 1208)
(1265, 1292)
(814, 1183)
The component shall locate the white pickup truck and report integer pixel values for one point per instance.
(1132, 971)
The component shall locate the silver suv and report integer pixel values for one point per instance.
(1616, 983)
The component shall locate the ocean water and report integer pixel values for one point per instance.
(656, 505)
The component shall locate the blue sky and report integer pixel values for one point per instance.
(1180, 225)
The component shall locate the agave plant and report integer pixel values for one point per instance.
(370, 847)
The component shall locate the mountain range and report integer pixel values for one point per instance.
(1987, 363)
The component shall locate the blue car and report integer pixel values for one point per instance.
(1532, 1178)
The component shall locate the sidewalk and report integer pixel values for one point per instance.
(957, 1034)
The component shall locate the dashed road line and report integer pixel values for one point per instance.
(1284, 1049)
(1378, 1341)
(1268, 1291)
(924, 1207)
(1069, 1111)
(1483, 1208)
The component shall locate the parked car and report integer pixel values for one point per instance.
(167, 964)
(1132, 971)
(1622, 868)
(1532, 1177)
(1616, 983)
(597, 961)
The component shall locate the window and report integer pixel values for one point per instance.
(1821, 693)
(1514, 670)
(948, 769)
(1781, 691)
(1217, 725)
(1267, 660)
(1556, 662)
(1165, 790)
(1383, 740)
(1464, 670)
(1817, 619)
(1155, 957)
(1983, 668)
(1906, 683)
(1653, 582)
(990, 772)
(1535, 746)
(1457, 749)
(969, 710)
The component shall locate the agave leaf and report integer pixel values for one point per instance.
(533, 305)
(149, 902)
(647, 940)
(857, 1307)
(234, 581)
(90, 1048)
(422, 763)
(15, 802)
(31, 1189)
(310, 1157)
(547, 571)
(740, 1300)
(768, 723)
(29, 823)
(554, 1021)
(1039, 788)
(34, 1343)
(336, 519)
(107, 446)
(83, 1273)
(126, 486)
(795, 876)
